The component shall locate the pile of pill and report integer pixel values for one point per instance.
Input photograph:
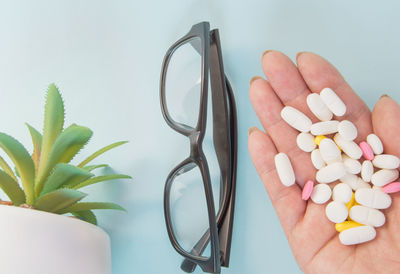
(358, 177)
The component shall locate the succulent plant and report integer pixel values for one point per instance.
(45, 180)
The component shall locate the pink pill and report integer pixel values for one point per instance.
(392, 187)
(367, 151)
(307, 190)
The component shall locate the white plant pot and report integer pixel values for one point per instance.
(37, 242)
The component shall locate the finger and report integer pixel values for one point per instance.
(318, 73)
(286, 200)
(286, 81)
(268, 107)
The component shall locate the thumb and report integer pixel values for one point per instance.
(386, 124)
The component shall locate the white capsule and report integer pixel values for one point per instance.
(331, 173)
(296, 119)
(333, 102)
(386, 161)
(367, 169)
(373, 198)
(305, 141)
(284, 169)
(354, 181)
(352, 166)
(384, 176)
(329, 151)
(336, 212)
(321, 193)
(375, 143)
(349, 147)
(357, 235)
(324, 128)
(367, 216)
(347, 130)
(342, 193)
(318, 107)
(316, 159)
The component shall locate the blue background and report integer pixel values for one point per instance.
(105, 56)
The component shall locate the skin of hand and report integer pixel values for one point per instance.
(312, 237)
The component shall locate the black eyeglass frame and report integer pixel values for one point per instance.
(225, 143)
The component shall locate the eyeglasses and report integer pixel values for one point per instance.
(201, 183)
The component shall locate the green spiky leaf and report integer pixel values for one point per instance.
(100, 151)
(64, 174)
(69, 142)
(58, 199)
(93, 167)
(98, 179)
(11, 188)
(87, 216)
(7, 169)
(37, 144)
(90, 206)
(22, 161)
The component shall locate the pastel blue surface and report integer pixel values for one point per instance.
(106, 58)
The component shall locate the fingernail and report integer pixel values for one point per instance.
(300, 53)
(384, 95)
(255, 78)
(266, 52)
(252, 129)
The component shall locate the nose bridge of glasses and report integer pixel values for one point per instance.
(195, 144)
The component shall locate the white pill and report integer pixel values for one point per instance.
(347, 130)
(329, 151)
(296, 119)
(349, 147)
(354, 181)
(333, 102)
(386, 161)
(284, 169)
(324, 128)
(321, 193)
(375, 143)
(305, 141)
(357, 235)
(384, 176)
(342, 193)
(318, 107)
(352, 166)
(331, 173)
(373, 198)
(367, 169)
(336, 212)
(316, 159)
(377, 188)
(367, 216)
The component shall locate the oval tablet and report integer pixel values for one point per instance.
(375, 143)
(336, 212)
(367, 216)
(347, 130)
(318, 107)
(331, 173)
(324, 128)
(329, 151)
(349, 147)
(367, 151)
(384, 176)
(352, 166)
(305, 141)
(386, 161)
(373, 198)
(354, 181)
(316, 159)
(357, 235)
(307, 190)
(296, 119)
(333, 102)
(342, 193)
(367, 169)
(391, 188)
(321, 193)
(284, 169)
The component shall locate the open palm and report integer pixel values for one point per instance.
(312, 237)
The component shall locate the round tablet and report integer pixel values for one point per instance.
(347, 130)
(321, 193)
(336, 212)
(342, 193)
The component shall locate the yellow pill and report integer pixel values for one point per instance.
(346, 225)
(351, 202)
(318, 139)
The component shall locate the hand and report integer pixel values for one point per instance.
(312, 237)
